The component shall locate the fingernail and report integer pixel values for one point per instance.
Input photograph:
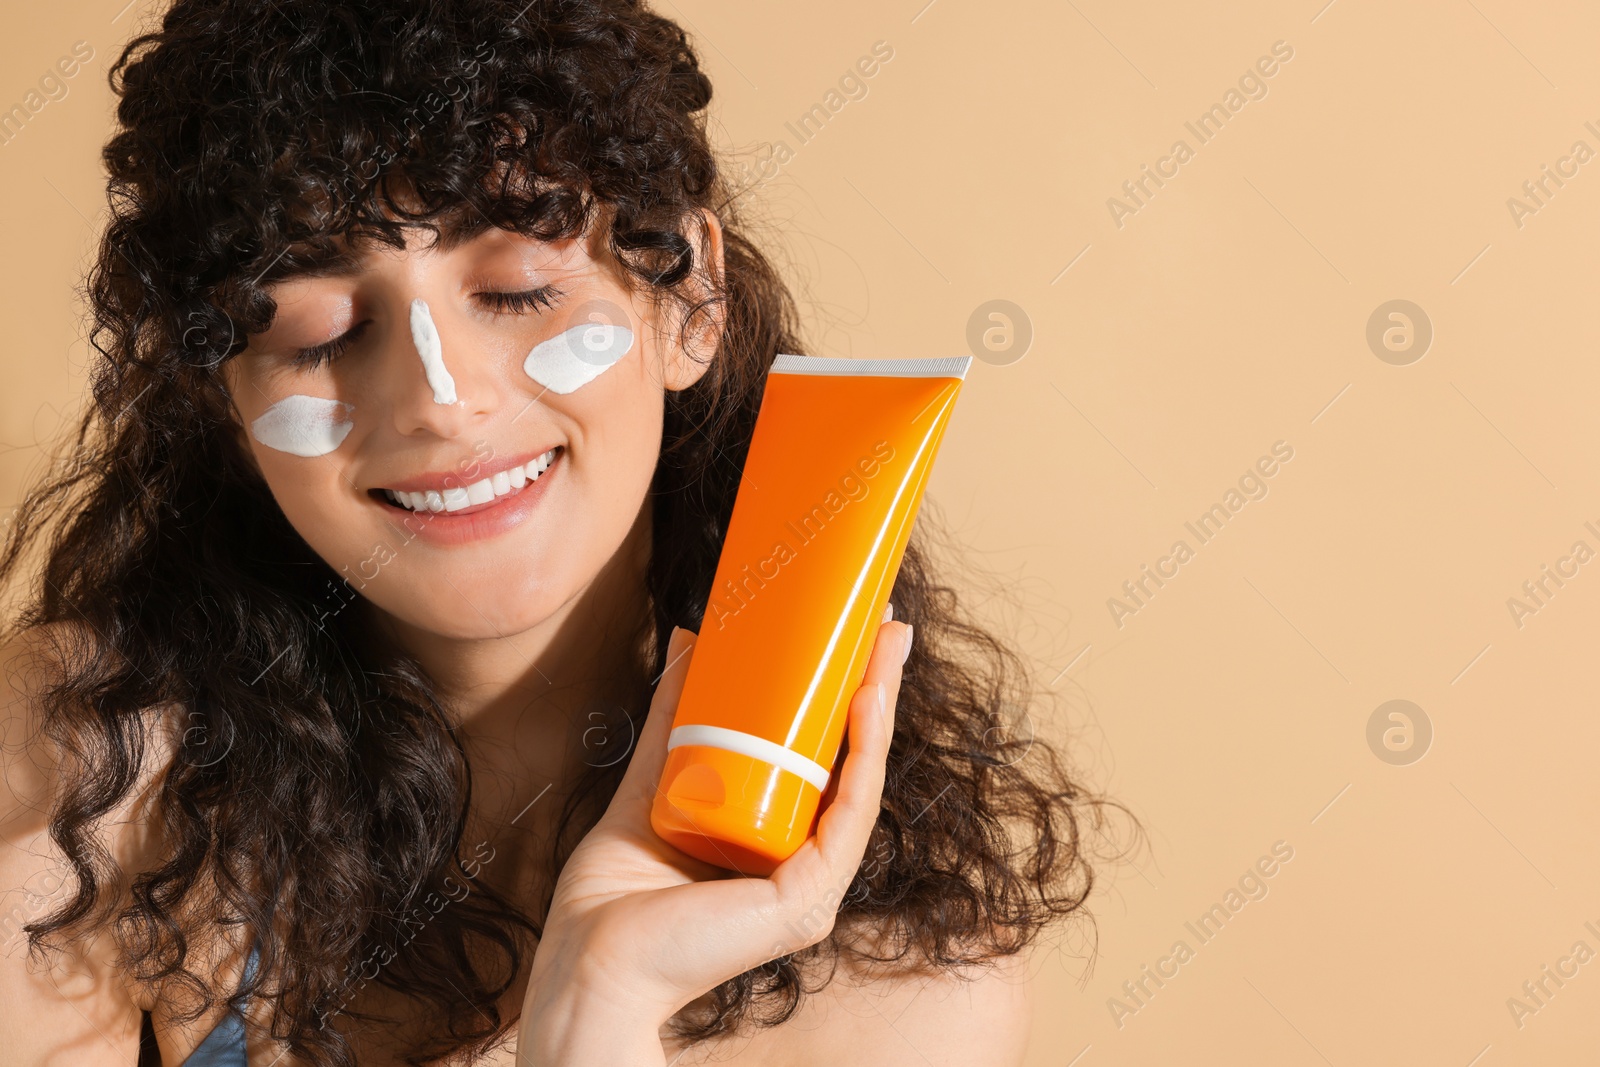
(679, 638)
(888, 613)
(908, 645)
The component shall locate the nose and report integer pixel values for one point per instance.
(440, 386)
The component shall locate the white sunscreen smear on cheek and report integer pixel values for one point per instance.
(304, 425)
(577, 357)
(426, 337)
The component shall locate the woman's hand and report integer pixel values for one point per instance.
(637, 929)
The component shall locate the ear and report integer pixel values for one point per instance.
(702, 333)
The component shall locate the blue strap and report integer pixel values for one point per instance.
(224, 1046)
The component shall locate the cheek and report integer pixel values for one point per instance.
(617, 415)
(571, 360)
(301, 425)
(314, 496)
(615, 436)
(294, 441)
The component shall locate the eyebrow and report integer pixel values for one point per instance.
(346, 261)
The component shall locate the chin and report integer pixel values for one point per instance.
(476, 604)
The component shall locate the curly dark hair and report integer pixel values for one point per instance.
(320, 796)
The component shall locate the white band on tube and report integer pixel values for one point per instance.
(750, 745)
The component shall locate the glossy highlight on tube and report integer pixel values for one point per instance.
(837, 466)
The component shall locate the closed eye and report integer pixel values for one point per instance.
(328, 351)
(525, 300)
(513, 303)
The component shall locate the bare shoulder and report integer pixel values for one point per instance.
(977, 1017)
(30, 661)
(36, 767)
(69, 1001)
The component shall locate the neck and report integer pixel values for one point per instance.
(527, 703)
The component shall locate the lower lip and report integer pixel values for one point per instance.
(490, 520)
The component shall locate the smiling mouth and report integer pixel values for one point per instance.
(475, 495)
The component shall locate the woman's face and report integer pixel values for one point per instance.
(521, 430)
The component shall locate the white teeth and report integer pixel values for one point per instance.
(479, 492)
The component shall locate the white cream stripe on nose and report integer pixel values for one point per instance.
(425, 335)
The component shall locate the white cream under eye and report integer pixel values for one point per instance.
(577, 357)
(304, 425)
(425, 335)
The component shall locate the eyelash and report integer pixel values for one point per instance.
(512, 303)
(326, 353)
(526, 300)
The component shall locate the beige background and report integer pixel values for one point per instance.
(1225, 315)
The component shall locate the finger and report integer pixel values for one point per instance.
(825, 865)
(844, 749)
(796, 906)
(643, 776)
(844, 829)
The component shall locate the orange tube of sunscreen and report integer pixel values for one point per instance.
(840, 455)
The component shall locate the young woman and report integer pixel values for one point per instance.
(366, 592)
